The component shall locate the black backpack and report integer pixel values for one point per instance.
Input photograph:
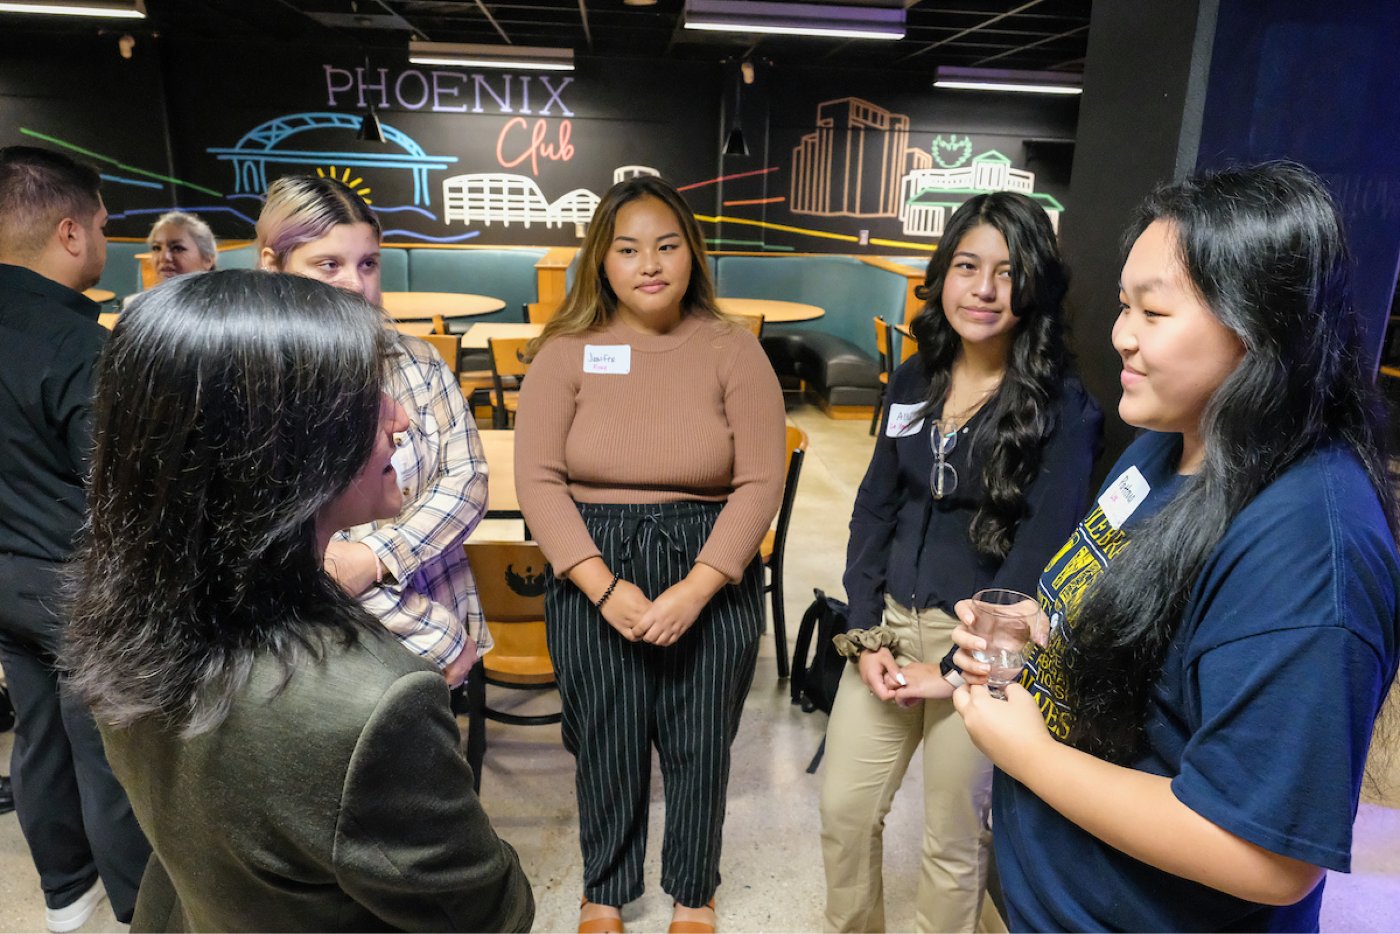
(814, 683)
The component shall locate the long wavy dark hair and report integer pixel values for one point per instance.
(230, 408)
(1021, 413)
(1263, 246)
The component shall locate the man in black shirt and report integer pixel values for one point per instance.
(74, 815)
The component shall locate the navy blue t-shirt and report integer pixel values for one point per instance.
(1262, 713)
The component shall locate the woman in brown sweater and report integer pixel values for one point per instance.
(649, 464)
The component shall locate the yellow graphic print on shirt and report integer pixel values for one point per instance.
(1094, 543)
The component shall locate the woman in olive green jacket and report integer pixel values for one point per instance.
(294, 767)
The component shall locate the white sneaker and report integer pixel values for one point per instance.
(71, 917)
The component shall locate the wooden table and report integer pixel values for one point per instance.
(772, 311)
(501, 502)
(477, 335)
(424, 306)
(100, 295)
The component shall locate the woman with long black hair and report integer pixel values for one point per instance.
(980, 470)
(1224, 623)
(294, 767)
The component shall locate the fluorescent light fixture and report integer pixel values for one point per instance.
(1002, 79)
(465, 55)
(795, 19)
(124, 9)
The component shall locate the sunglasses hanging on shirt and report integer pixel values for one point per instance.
(943, 478)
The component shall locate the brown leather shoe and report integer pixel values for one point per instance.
(599, 924)
(690, 926)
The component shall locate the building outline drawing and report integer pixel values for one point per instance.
(929, 196)
(259, 146)
(623, 172)
(851, 166)
(504, 198)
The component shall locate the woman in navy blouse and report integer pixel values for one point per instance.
(979, 473)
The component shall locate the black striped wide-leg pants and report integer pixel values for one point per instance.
(621, 697)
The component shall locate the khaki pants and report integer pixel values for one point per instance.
(868, 747)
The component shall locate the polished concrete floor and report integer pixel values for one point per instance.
(772, 861)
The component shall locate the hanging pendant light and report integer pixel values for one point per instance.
(370, 131)
(736, 145)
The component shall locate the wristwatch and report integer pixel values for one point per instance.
(949, 669)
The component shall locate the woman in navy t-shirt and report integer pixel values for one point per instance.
(1187, 751)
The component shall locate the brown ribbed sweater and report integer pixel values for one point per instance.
(699, 416)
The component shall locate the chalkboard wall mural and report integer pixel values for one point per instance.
(848, 161)
(869, 163)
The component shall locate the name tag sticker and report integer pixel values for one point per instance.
(904, 419)
(609, 359)
(1124, 496)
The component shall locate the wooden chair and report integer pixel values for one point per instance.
(505, 363)
(884, 346)
(774, 544)
(753, 322)
(511, 578)
(449, 346)
(415, 328)
(538, 312)
(908, 345)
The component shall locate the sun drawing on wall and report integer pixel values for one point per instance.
(352, 181)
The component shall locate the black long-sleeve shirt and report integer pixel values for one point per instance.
(917, 550)
(49, 343)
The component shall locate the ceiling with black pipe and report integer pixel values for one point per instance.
(1045, 35)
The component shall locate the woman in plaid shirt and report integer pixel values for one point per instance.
(410, 571)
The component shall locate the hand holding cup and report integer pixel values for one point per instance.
(1004, 620)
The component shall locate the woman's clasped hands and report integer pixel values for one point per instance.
(661, 621)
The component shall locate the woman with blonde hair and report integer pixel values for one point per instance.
(181, 243)
(649, 464)
(409, 571)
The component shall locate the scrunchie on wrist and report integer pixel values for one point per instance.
(852, 643)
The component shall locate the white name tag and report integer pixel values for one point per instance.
(613, 359)
(1124, 496)
(904, 419)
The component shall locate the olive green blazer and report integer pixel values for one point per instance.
(340, 802)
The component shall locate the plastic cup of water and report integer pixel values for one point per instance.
(1004, 619)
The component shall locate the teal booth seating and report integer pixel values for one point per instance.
(834, 355)
(122, 274)
(243, 257)
(507, 274)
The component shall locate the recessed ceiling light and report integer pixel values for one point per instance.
(124, 9)
(795, 19)
(467, 55)
(1005, 79)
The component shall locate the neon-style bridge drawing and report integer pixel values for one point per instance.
(259, 146)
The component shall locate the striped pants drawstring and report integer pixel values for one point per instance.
(620, 698)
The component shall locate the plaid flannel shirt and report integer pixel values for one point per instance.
(431, 603)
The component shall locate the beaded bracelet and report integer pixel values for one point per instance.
(607, 593)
